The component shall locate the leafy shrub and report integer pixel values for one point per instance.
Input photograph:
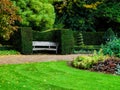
(117, 69)
(92, 38)
(38, 14)
(86, 49)
(86, 62)
(112, 47)
(9, 52)
(109, 35)
(108, 66)
(8, 17)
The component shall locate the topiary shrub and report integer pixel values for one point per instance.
(112, 47)
(80, 39)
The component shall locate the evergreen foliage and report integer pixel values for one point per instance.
(109, 35)
(67, 42)
(89, 15)
(80, 39)
(35, 13)
(26, 40)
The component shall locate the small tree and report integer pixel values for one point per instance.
(38, 14)
(7, 19)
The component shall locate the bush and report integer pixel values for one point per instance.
(110, 65)
(86, 62)
(118, 69)
(9, 52)
(109, 35)
(8, 17)
(80, 39)
(112, 47)
(86, 49)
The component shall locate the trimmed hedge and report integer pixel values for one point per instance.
(6, 48)
(26, 35)
(67, 41)
(88, 47)
(26, 40)
(90, 38)
(64, 37)
(43, 36)
(93, 38)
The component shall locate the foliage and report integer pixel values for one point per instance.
(9, 52)
(48, 35)
(109, 12)
(26, 40)
(112, 47)
(110, 65)
(86, 49)
(8, 17)
(109, 35)
(66, 41)
(36, 14)
(75, 16)
(80, 39)
(90, 38)
(89, 15)
(117, 69)
(93, 38)
(86, 62)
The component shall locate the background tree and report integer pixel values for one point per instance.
(89, 15)
(35, 13)
(7, 19)
(74, 15)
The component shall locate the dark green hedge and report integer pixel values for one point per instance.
(6, 47)
(91, 38)
(63, 36)
(43, 36)
(67, 41)
(26, 40)
(87, 47)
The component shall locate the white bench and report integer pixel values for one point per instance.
(44, 45)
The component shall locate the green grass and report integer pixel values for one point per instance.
(9, 52)
(54, 76)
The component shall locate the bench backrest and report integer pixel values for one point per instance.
(44, 43)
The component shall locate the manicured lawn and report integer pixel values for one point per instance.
(54, 76)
